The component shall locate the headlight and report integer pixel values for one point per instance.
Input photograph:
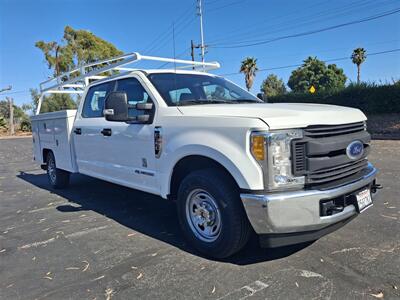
(274, 155)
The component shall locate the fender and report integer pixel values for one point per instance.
(245, 170)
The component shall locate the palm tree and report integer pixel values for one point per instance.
(249, 69)
(358, 57)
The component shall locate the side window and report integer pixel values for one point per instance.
(94, 101)
(135, 92)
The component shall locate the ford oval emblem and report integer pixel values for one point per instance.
(355, 150)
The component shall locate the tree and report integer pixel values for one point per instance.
(5, 110)
(20, 117)
(249, 69)
(79, 47)
(52, 102)
(25, 124)
(358, 57)
(273, 86)
(59, 58)
(315, 72)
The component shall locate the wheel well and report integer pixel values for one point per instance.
(189, 164)
(45, 153)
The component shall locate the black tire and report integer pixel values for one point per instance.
(58, 178)
(234, 230)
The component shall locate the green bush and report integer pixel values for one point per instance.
(370, 98)
(3, 123)
(25, 124)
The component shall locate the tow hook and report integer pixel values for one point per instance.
(375, 187)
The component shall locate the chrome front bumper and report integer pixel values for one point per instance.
(299, 211)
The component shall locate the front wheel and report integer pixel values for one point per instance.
(211, 213)
(58, 178)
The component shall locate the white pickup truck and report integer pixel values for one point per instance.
(234, 165)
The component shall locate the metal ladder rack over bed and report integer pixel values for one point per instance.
(75, 81)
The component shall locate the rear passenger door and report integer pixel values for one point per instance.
(87, 136)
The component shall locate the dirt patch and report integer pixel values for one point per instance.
(18, 133)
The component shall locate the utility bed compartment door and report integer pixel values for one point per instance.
(52, 131)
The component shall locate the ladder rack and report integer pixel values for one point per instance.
(75, 81)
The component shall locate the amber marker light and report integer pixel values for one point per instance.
(258, 146)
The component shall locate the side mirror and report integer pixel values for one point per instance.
(262, 97)
(116, 109)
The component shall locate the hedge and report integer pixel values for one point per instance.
(370, 98)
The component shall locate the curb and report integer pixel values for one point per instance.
(11, 137)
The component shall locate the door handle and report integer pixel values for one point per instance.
(106, 132)
(78, 130)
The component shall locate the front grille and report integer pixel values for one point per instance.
(338, 172)
(321, 155)
(319, 131)
(299, 157)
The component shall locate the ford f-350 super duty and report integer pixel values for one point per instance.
(234, 164)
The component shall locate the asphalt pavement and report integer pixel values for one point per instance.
(97, 240)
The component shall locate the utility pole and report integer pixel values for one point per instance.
(200, 14)
(11, 104)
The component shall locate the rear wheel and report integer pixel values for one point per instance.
(211, 213)
(57, 178)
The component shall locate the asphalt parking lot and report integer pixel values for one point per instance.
(97, 240)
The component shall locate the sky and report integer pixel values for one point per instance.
(286, 32)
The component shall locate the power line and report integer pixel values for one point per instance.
(315, 52)
(251, 28)
(180, 55)
(212, 2)
(297, 23)
(16, 92)
(224, 6)
(182, 27)
(374, 17)
(327, 60)
(155, 44)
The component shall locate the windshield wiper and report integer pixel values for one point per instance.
(203, 101)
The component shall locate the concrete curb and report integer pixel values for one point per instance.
(12, 137)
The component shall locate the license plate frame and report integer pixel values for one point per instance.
(363, 200)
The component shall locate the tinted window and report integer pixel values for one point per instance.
(94, 101)
(183, 89)
(135, 92)
(175, 95)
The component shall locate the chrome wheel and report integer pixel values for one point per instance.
(51, 169)
(203, 215)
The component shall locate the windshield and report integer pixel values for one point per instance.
(193, 89)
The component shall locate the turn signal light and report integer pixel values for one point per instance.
(258, 146)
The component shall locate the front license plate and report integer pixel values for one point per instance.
(364, 200)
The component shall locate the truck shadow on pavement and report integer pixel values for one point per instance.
(145, 213)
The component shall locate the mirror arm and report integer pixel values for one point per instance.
(142, 106)
(142, 119)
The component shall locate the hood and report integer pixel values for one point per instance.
(281, 115)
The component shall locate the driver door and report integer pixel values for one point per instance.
(129, 155)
